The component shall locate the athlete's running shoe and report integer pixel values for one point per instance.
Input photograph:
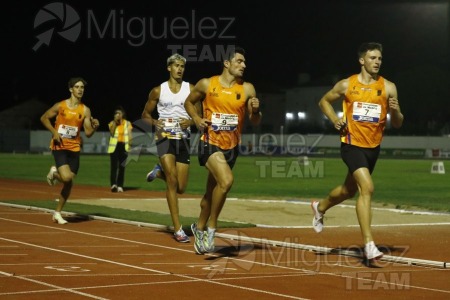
(371, 251)
(51, 176)
(208, 240)
(198, 239)
(57, 218)
(180, 236)
(318, 217)
(153, 173)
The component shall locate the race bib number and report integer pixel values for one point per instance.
(366, 112)
(172, 129)
(224, 122)
(68, 132)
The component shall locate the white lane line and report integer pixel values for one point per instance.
(348, 226)
(139, 268)
(55, 287)
(84, 256)
(141, 254)
(155, 245)
(48, 263)
(101, 246)
(212, 255)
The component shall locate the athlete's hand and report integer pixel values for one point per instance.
(94, 123)
(254, 104)
(184, 123)
(159, 125)
(201, 124)
(393, 103)
(340, 125)
(57, 139)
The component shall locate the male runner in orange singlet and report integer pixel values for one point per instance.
(226, 100)
(71, 115)
(367, 99)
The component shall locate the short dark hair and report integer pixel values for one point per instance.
(120, 107)
(364, 47)
(74, 80)
(232, 52)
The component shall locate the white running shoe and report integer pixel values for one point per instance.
(57, 218)
(119, 189)
(51, 176)
(198, 239)
(318, 217)
(371, 251)
(208, 239)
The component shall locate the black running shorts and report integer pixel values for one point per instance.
(205, 150)
(178, 148)
(357, 157)
(66, 157)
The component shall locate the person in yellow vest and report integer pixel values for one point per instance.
(227, 100)
(367, 100)
(119, 146)
(71, 115)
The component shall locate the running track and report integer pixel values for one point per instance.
(97, 259)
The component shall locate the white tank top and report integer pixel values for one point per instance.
(171, 108)
(171, 105)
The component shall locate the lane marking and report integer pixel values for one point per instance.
(352, 226)
(178, 249)
(141, 268)
(56, 288)
(83, 256)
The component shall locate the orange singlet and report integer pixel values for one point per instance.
(225, 108)
(365, 112)
(68, 124)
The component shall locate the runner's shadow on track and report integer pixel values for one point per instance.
(76, 218)
(234, 251)
(130, 188)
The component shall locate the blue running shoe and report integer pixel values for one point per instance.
(152, 174)
(198, 239)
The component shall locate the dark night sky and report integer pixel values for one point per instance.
(282, 39)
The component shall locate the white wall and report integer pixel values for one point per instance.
(40, 139)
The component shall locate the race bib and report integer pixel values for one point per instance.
(224, 122)
(172, 129)
(366, 112)
(68, 132)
